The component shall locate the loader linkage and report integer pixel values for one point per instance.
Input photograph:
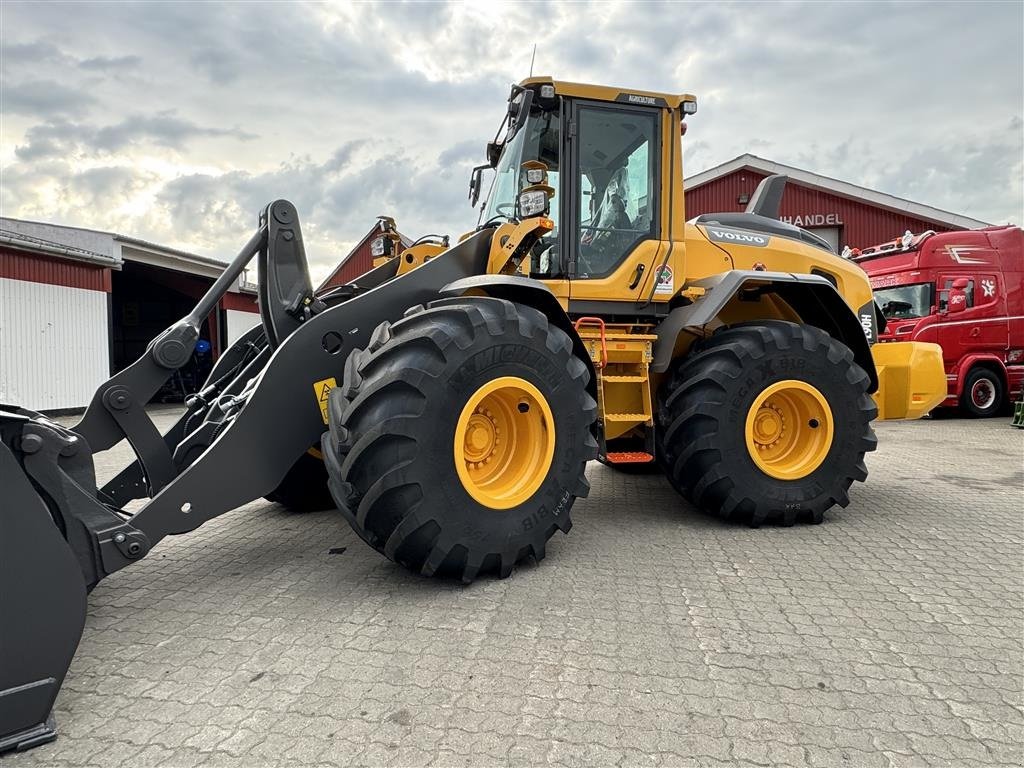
(60, 534)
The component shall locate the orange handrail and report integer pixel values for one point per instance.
(604, 343)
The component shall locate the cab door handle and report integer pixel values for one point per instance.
(636, 278)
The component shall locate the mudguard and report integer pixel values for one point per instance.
(813, 298)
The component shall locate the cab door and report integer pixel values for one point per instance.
(612, 214)
(982, 326)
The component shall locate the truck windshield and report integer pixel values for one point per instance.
(538, 139)
(903, 302)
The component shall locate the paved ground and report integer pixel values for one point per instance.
(652, 635)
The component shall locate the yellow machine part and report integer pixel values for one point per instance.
(911, 378)
(789, 429)
(504, 442)
(413, 257)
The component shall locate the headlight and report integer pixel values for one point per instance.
(535, 175)
(689, 107)
(532, 203)
(377, 247)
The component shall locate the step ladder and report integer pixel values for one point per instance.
(622, 359)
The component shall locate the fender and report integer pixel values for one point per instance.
(533, 293)
(967, 362)
(813, 298)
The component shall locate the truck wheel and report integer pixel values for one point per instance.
(304, 488)
(766, 422)
(983, 393)
(459, 438)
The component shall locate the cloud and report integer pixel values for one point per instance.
(110, 63)
(60, 137)
(163, 129)
(44, 98)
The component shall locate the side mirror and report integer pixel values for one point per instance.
(476, 184)
(957, 296)
(518, 111)
(493, 153)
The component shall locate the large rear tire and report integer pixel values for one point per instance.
(459, 438)
(766, 422)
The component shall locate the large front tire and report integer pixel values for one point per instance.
(766, 422)
(459, 438)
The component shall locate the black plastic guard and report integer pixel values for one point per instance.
(42, 610)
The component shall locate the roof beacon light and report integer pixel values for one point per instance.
(908, 239)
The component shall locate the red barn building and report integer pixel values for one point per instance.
(77, 305)
(842, 213)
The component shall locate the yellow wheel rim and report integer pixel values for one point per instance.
(504, 442)
(789, 430)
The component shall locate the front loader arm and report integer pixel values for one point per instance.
(256, 416)
(281, 414)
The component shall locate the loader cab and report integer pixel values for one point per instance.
(612, 159)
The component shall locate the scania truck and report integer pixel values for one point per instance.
(963, 290)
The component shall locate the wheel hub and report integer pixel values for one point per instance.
(482, 437)
(983, 393)
(769, 425)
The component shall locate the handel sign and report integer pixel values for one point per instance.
(813, 220)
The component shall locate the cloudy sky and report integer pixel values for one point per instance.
(176, 121)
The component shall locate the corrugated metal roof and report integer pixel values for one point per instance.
(24, 242)
(835, 186)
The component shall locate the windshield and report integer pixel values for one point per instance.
(537, 140)
(903, 302)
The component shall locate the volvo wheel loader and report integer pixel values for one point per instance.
(451, 397)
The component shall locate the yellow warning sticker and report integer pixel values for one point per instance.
(323, 391)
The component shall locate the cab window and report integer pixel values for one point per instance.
(618, 178)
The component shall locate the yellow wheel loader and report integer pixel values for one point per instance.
(451, 397)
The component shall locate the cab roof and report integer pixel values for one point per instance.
(612, 93)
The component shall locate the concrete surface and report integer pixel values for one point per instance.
(652, 635)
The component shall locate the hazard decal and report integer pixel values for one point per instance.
(322, 389)
(665, 286)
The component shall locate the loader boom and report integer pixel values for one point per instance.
(234, 444)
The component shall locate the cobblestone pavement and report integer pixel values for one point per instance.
(652, 635)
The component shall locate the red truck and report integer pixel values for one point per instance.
(963, 290)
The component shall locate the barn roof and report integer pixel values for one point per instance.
(835, 186)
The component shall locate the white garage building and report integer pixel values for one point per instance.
(77, 305)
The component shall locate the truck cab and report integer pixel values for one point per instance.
(963, 290)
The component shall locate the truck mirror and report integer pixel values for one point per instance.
(961, 283)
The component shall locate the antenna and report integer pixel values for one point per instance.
(533, 58)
